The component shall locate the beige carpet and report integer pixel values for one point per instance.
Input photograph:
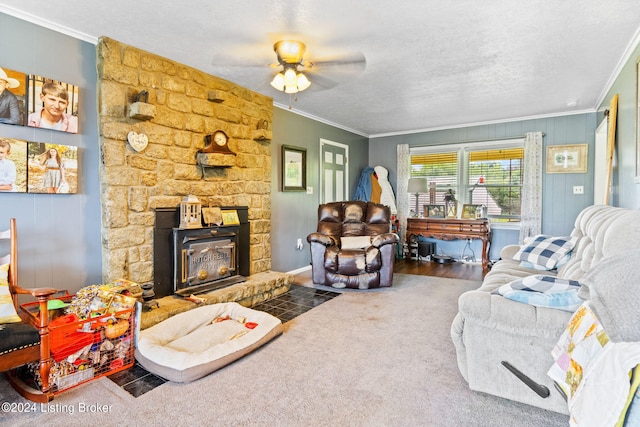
(380, 358)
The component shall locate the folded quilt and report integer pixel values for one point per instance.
(543, 291)
(580, 345)
(565, 301)
(602, 399)
(540, 283)
(595, 373)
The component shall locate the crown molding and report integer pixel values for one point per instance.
(626, 56)
(409, 132)
(49, 25)
(319, 119)
(491, 122)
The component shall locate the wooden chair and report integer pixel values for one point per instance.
(22, 342)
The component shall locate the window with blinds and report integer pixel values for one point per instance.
(478, 174)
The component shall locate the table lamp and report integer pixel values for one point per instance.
(417, 186)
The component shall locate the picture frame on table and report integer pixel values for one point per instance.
(434, 211)
(230, 217)
(567, 158)
(469, 211)
(294, 168)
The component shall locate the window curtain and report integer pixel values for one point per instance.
(531, 211)
(404, 173)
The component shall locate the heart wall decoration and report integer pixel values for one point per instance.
(138, 141)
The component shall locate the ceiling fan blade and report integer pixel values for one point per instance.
(320, 82)
(329, 73)
(354, 61)
(241, 60)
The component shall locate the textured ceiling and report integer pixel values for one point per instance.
(430, 64)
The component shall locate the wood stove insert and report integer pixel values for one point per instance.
(192, 261)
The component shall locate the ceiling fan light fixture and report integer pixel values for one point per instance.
(290, 77)
(291, 89)
(289, 51)
(290, 81)
(278, 82)
(303, 82)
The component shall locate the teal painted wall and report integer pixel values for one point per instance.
(625, 191)
(59, 235)
(295, 214)
(560, 205)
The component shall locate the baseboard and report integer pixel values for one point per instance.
(300, 270)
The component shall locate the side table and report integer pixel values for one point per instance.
(453, 229)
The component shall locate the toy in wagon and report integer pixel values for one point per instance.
(91, 333)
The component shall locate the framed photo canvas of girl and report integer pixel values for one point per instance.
(53, 168)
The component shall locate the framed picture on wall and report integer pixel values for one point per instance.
(567, 158)
(52, 104)
(13, 165)
(294, 168)
(52, 168)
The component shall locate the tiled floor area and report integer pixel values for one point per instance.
(297, 301)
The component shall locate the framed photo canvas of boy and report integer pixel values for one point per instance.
(52, 105)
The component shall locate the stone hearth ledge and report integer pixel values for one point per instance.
(256, 289)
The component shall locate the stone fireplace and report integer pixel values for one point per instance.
(185, 105)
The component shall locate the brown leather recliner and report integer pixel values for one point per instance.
(353, 246)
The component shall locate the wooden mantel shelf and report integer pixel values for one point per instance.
(216, 160)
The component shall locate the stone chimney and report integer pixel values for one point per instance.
(175, 107)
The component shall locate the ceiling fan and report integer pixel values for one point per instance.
(291, 57)
(298, 68)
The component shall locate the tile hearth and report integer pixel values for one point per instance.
(287, 306)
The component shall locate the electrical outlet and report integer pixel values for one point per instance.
(578, 189)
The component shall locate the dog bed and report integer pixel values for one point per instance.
(195, 343)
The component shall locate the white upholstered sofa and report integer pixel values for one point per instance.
(490, 329)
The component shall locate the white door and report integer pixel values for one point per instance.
(334, 175)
